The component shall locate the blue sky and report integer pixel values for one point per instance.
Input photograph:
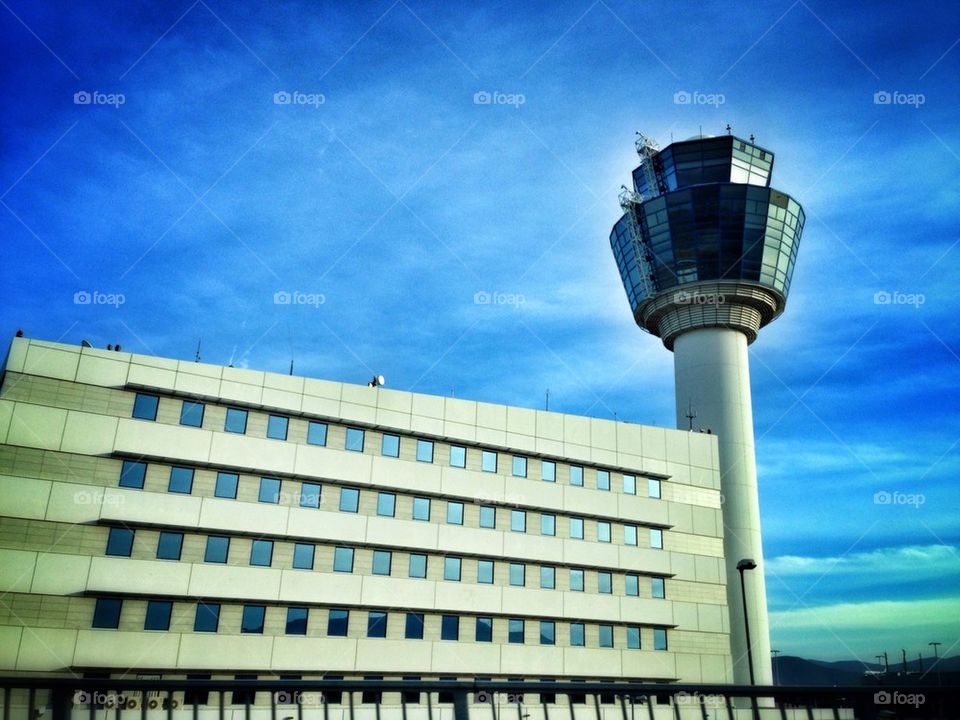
(387, 192)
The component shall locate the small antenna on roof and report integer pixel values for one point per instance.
(751, 137)
(196, 357)
(291, 366)
(546, 404)
(691, 414)
(729, 129)
(701, 132)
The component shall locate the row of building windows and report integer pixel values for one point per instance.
(133, 475)
(191, 414)
(170, 544)
(106, 615)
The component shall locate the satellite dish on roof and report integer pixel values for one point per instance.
(85, 343)
(377, 381)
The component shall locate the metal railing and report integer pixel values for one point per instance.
(59, 698)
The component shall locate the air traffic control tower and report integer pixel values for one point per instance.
(706, 249)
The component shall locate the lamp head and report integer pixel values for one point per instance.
(746, 564)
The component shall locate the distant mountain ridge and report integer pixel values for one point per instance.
(792, 670)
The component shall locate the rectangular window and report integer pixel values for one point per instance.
(376, 624)
(576, 580)
(106, 613)
(633, 585)
(343, 559)
(488, 461)
(458, 456)
(218, 547)
(390, 446)
(309, 495)
(252, 620)
(382, 560)
(515, 631)
(261, 553)
(424, 451)
(659, 638)
(181, 480)
(269, 491)
(518, 521)
(629, 534)
(354, 441)
(158, 615)
(519, 466)
(418, 565)
(656, 538)
(603, 480)
(338, 622)
(548, 471)
(454, 513)
(226, 486)
(548, 524)
(303, 556)
(488, 516)
(191, 414)
(316, 433)
(169, 546)
(297, 620)
(576, 635)
(277, 427)
(576, 528)
(606, 636)
(630, 484)
(658, 588)
(548, 577)
(119, 542)
(236, 421)
(207, 618)
(132, 474)
(449, 627)
(485, 572)
(518, 574)
(653, 488)
(633, 637)
(604, 583)
(349, 500)
(421, 508)
(603, 531)
(451, 569)
(145, 406)
(386, 504)
(484, 629)
(576, 475)
(414, 628)
(548, 632)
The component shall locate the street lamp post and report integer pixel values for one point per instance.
(936, 660)
(746, 564)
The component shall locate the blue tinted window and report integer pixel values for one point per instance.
(455, 513)
(414, 629)
(488, 516)
(343, 560)
(132, 474)
(386, 504)
(310, 495)
(191, 414)
(659, 638)
(252, 621)
(261, 553)
(656, 538)
(576, 634)
(106, 613)
(629, 534)
(303, 556)
(653, 488)
(603, 480)
(630, 484)
(354, 440)
(515, 630)
(226, 485)
(519, 466)
(485, 572)
(606, 636)
(145, 406)
(349, 499)
(484, 629)
(120, 542)
(633, 637)
(458, 456)
(376, 624)
(632, 585)
(576, 580)
(236, 421)
(449, 627)
(390, 446)
(548, 577)
(451, 569)
(207, 618)
(548, 471)
(548, 524)
(488, 461)
(421, 508)
(269, 491)
(158, 615)
(169, 546)
(277, 427)
(518, 521)
(548, 632)
(424, 451)
(181, 480)
(657, 588)
(316, 433)
(604, 582)
(518, 574)
(381, 562)
(418, 565)
(576, 475)
(603, 531)
(297, 620)
(218, 547)
(576, 528)
(338, 623)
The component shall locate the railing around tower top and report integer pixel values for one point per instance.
(36, 698)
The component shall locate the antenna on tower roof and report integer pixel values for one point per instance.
(691, 414)
(729, 129)
(197, 356)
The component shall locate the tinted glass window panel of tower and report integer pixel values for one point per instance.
(488, 461)
(488, 516)
(390, 446)
(603, 531)
(145, 406)
(449, 627)
(181, 480)
(343, 559)
(386, 504)
(297, 620)
(515, 631)
(303, 554)
(603, 480)
(349, 500)
(484, 629)
(261, 553)
(458, 456)
(548, 632)
(414, 626)
(653, 488)
(158, 615)
(633, 585)
(421, 508)
(519, 466)
(548, 471)
(548, 524)
(106, 613)
(354, 440)
(235, 421)
(518, 521)
(576, 580)
(169, 545)
(451, 569)
(424, 451)
(633, 637)
(338, 622)
(454, 513)
(310, 495)
(277, 427)
(218, 547)
(606, 636)
(518, 574)
(252, 620)
(133, 474)
(376, 624)
(316, 433)
(418, 566)
(269, 491)
(485, 572)
(226, 486)
(656, 538)
(576, 475)
(659, 638)
(191, 414)
(548, 577)
(630, 484)
(382, 561)
(207, 618)
(576, 528)
(119, 542)
(658, 588)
